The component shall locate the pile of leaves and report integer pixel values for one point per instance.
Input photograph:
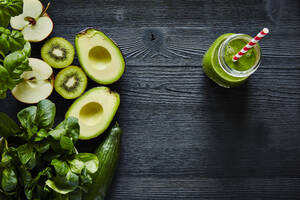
(41, 162)
(14, 50)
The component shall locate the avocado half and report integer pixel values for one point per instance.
(95, 110)
(99, 56)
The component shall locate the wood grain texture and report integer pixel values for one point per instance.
(184, 137)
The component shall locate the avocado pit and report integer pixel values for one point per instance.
(91, 113)
(100, 57)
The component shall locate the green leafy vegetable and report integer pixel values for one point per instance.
(7, 126)
(61, 167)
(14, 49)
(39, 161)
(9, 180)
(8, 9)
(45, 114)
(90, 161)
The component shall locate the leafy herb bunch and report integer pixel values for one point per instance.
(14, 50)
(39, 162)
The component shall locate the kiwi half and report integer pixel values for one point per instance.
(70, 82)
(58, 52)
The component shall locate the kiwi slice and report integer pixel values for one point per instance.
(58, 52)
(70, 82)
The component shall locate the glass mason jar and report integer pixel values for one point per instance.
(218, 65)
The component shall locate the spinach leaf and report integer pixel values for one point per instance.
(45, 114)
(76, 166)
(57, 133)
(26, 178)
(41, 134)
(6, 158)
(64, 184)
(25, 153)
(16, 63)
(61, 167)
(66, 143)
(42, 146)
(26, 118)
(85, 178)
(90, 161)
(8, 9)
(71, 126)
(14, 53)
(7, 126)
(11, 41)
(9, 180)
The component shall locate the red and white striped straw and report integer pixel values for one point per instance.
(251, 44)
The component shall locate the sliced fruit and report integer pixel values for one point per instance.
(36, 25)
(39, 31)
(37, 84)
(101, 59)
(95, 110)
(70, 82)
(58, 52)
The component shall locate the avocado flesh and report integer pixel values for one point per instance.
(95, 110)
(98, 55)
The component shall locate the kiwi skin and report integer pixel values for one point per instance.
(61, 79)
(65, 47)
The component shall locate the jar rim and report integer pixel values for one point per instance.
(227, 68)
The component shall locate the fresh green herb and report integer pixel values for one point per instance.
(8, 9)
(14, 50)
(39, 162)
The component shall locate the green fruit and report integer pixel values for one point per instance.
(95, 110)
(108, 156)
(70, 82)
(58, 52)
(98, 55)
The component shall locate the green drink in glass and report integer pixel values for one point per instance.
(219, 65)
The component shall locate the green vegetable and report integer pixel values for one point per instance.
(14, 50)
(8, 9)
(7, 126)
(108, 155)
(39, 162)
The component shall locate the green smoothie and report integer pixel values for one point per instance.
(218, 64)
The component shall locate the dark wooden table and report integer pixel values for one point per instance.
(184, 136)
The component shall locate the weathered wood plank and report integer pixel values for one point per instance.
(184, 137)
(179, 32)
(195, 188)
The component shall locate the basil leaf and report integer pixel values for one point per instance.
(9, 180)
(8, 9)
(7, 126)
(61, 167)
(45, 114)
(90, 161)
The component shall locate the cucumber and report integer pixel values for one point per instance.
(108, 155)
